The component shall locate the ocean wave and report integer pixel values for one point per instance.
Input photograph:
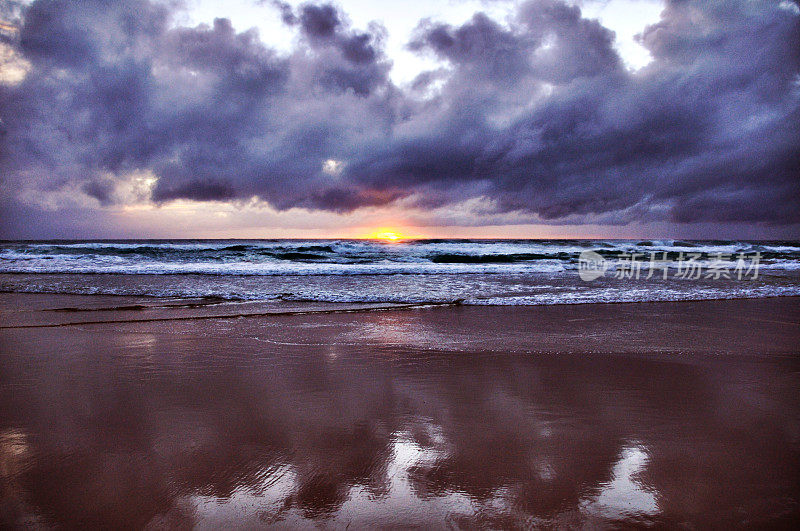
(496, 272)
(451, 258)
(91, 256)
(543, 297)
(291, 268)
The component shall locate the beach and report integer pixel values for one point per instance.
(139, 412)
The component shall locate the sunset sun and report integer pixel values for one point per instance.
(386, 235)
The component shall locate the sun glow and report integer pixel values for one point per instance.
(386, 235)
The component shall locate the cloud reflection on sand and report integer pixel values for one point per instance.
(625, 496)
(183, 424)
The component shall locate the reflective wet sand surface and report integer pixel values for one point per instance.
(593, 415)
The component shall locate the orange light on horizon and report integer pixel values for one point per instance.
(392, 236)
(388, 235)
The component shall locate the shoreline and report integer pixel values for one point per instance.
(743, 325)
(314, 309)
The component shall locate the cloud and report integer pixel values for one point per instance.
(537, 116)
(319, 21)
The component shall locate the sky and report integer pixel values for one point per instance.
(436, 118)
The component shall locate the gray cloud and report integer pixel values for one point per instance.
(539, 116)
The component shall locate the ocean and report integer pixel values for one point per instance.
(472, 272)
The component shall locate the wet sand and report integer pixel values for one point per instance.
(666, 414)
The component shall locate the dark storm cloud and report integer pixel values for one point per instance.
(480, 44)
(286, 12)
(708, 131)
(319, 22)
(213, 113)
(539, 115)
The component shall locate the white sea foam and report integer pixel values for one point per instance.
(518, 272)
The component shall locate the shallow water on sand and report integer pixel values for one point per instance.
(384, 419)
